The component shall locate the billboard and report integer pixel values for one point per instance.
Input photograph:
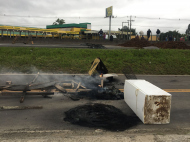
(109, 11)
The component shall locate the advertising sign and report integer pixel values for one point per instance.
(109, 11)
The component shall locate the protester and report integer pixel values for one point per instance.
(111, 38)
(166, 38)
(104, 35)
(170, 38)
(137, 37)
(142, 38)
(100, 32)
(158, 34)
(174, 38)
(148, 33)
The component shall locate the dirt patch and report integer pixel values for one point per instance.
(136, 43)
(171, 45)
(100, 116)
(162, 44)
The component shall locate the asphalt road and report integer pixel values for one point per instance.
(52, 115)
(70, 45)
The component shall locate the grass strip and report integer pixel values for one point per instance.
(65, 60)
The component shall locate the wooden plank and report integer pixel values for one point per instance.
(40, 92)
(78, 83)
(19, 107)
(19, 93)
(77, 87)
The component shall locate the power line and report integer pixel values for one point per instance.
(20, 24)
(78, 17)
(5, 15)
(151, 18)
(156, 26)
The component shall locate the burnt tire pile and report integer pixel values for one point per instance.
(100, 116)
(162, 44)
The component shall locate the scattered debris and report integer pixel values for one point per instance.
(44, 89)
(109, 93)
(68, 87)
(95, 46)
(100, 116)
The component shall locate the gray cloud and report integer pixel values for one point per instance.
(76, 11)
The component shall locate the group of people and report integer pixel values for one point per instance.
(170, 38)
(142, 37)
(148, 35)
(102, 34)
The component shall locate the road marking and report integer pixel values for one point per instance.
(169, 90)
(177, 90)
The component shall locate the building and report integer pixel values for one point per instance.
(65, 31)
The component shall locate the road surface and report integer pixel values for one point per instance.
(48, 122)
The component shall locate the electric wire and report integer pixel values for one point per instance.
(79, 17)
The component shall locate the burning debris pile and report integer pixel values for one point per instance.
(109, 93)
(100, 116)
(165, 44)
(106, 93)
(42, 88)
(71, 87)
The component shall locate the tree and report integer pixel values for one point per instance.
(59, 22)
(170, 33)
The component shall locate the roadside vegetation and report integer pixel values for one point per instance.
(65, 60)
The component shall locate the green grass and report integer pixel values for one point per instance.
(65, 60)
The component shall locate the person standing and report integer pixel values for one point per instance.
(100, 32)
(148, 33)
(111, 38)
(104, 36)
(158, 34)
(170, 38)
(174, 38)
(166, 38)
(137, 37)
(185, 38)
(142, 38)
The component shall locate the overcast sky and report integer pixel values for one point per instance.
(145, 13)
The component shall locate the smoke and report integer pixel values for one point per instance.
(22, 78)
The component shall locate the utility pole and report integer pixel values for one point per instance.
(109, 27)
(130, 25)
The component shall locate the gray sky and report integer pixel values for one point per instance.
(145, 13)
